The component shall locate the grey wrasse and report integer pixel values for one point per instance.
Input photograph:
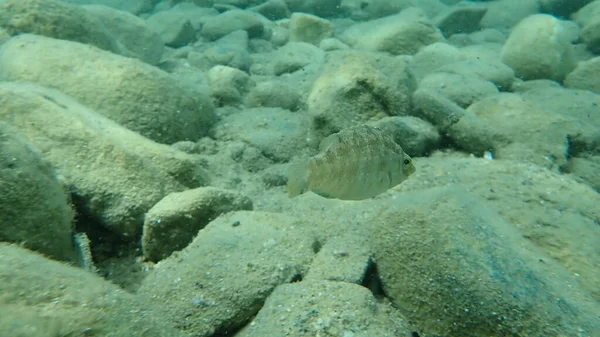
(356, 163)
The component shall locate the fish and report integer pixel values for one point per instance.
(356, 163)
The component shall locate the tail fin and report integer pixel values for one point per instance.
(297, 178)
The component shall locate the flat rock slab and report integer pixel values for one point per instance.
(223, 277)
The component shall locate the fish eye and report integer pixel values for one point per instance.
(406, 161)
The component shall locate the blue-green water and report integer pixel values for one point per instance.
(145, 150)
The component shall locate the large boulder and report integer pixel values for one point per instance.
(562, 8)
(115, 175)
(35, 207)
(230, 21)
(131, 6)
(357, 87)
(525, 131)
(104, 27)
(132, 37)
(277, 133)
(309, 28)
(473, 272)
(586, 76)
(45, 298)
(399, 34)
(467, 131)
(315, 309)
(220, 280)
(539, 47)
(322, 8)
(470, 247)
(128, 91)
(588, 18)
(54, 19)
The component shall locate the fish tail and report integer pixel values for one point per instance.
(297, 178)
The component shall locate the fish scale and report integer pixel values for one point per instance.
(356, 163)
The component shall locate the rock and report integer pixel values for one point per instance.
(433, 56)
(215, 3)
(115, 175)
(494, 71)
(187, 147)
(588, 18)
(54, 19)
(539, 47)
(280, 36)
(465, 129)
(272, 9)
(137, 95)
(80, 301)
(131, 6)
(274, 176)
(367, 10)
(230, 3)
(459, 251)
(231, 50)
(487, 35)
(104, 27)
(417, 137)
(462, 18)
(460, 40)
(227, 55)
(228, 85)
(273, 94)
(489, 51)
(194, 79)
(345, 259)
(238, 38)
(357, 87)
(463, 90)
(132, 35)
(228, 271)
(322, 8)
(528, 132)
(331, 44)
(364, 10)
(466, 231)
(505, 14)
(295, 56)
(173, 31)
(230, 21)
(312, 308)
(400, 34)
(253, 160)
(173, 222)
(197, 16)
(309, 28)
(3, 36)
(562, 8)
(587, 168)
(556, 99)
(206, 146)
(565, 206)
(299, 64)
(586, 76)
(581, 145)
(278, 134)
(36, 209)
(259, 46)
